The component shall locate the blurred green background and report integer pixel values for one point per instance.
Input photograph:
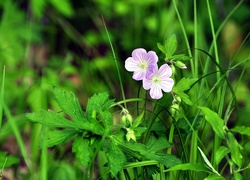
(63, 43)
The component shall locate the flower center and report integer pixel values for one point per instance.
(156, 80)
(143, 65)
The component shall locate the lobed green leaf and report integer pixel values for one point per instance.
(93, 125)
(56, 137)
(170, 46)
(161, 48)
(51, 119)
(69, 103)
(116, 159)
(156, 144)
(185, 98)
(181, 57)
(184, 84)
(100, 103)
(84, 153)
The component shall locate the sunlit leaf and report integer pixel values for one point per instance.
(181, 57)
(161, 48)
(190, 167)
(139, 130)
(184, 84)
(242, 130)
(235, 147)
(214, 177)
(238, 176)
(170, 46)
(7, 160)
(63, 6)
(221, 152)
(138, 120)
(208, 162)
(185, 98)
(215, 121)
(37, 7)
(167, 160)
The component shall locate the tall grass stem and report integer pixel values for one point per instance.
(116, 62)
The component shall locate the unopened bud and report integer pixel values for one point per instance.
(177, 98)
(93, 114)
(129, 118)
(173, 70)
(124, 120)
(130, 135)
(180, 65)
(174, 109)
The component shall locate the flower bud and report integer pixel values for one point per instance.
(180, 65)
(174, 109)
(93, 114)
(173, 70)
(177, 99)
(129, 119)
(124, 120)
(130, 135)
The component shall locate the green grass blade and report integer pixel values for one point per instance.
(116, 62)
(185, 36)
(1, 98)
(18, 137)
(44, 159)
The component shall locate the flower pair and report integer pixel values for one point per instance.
(145, 68)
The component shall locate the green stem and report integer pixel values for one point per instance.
(171, 137)
(195, 40)
(214, 40)
(44, 157)
(219, 92)
(194, 139)
(185, 37)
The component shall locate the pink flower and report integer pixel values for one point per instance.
(159, 80)
(141, 63)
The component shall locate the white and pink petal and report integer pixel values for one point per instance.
(155, 92)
